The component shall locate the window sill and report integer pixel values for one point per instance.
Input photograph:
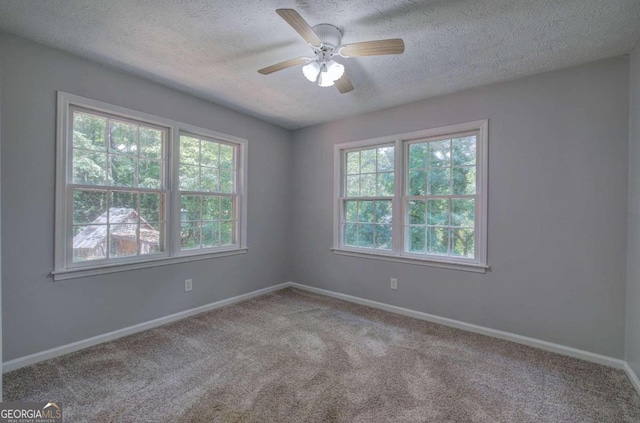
(113, 268)
(466, 267)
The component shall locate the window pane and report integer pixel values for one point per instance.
(351, 211)
(89, 242)
(418, 156)
(383, 237)
(383, 211)
(438, 212)
(190, 235)
(416, 239)
(122, 170)
(462, 242)
(365, 211)
(353, 163)
(351, 234)
(211, 208)
(226, 157)
(437, 240)
(368, 161)
(440, 181)
(385, 184)
(417, 212)
(149, 174)
(464, 180)
(151, 240)
(209, 155)
(123, 137)
(189, 150)
(209, 180)
(226, 181)
(123, 203)
(353, 186)
(210, 234)
(190, 207)
(417, 182)
(88, 206)
(89, 168)
(226, 208)
(151, 143)
(464, 151)
(123, 239)
(385, 159)
(368, 185)
(462, 212)
(189, 178)
(89, 131)
(440, 153)
(151, 207)
(226, 233)
(365, 235)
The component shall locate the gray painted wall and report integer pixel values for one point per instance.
(557, 209)
(41, 314)
(633, 250)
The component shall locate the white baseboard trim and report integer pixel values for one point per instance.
(28, 360)
(544, 345)
(632, 376)
(532, 342)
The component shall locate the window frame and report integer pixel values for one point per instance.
(401, 142)
(64, 268)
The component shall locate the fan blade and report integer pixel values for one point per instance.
(296, 21)
(283, 65)
(344, 84)
(374, 48)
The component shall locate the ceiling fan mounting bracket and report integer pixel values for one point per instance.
(331, 37)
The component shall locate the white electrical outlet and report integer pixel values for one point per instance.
(188, 285)
(394, 283)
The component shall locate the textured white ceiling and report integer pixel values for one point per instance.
(213, 49)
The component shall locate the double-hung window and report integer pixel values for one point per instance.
(135, 190)
(208, 193)
(419, 197)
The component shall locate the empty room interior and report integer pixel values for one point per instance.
(293, 211)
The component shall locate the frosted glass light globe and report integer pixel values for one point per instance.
(335, 69)
(311, 71)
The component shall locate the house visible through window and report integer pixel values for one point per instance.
(135, 188)
(117, 187)
(435, 213)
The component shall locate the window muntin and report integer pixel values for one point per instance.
(367, 203)
(117, 187)
(207, 167)
(438, 200)
(440, 196)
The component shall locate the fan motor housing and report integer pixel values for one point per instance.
(330, 35)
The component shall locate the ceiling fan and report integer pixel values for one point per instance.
(326, 42)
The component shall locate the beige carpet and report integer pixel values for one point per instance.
(292, 356)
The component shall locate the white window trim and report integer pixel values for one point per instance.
(479, 263)
(173, 252)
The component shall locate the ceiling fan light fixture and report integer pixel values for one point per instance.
(311, 71)
(325, 77)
